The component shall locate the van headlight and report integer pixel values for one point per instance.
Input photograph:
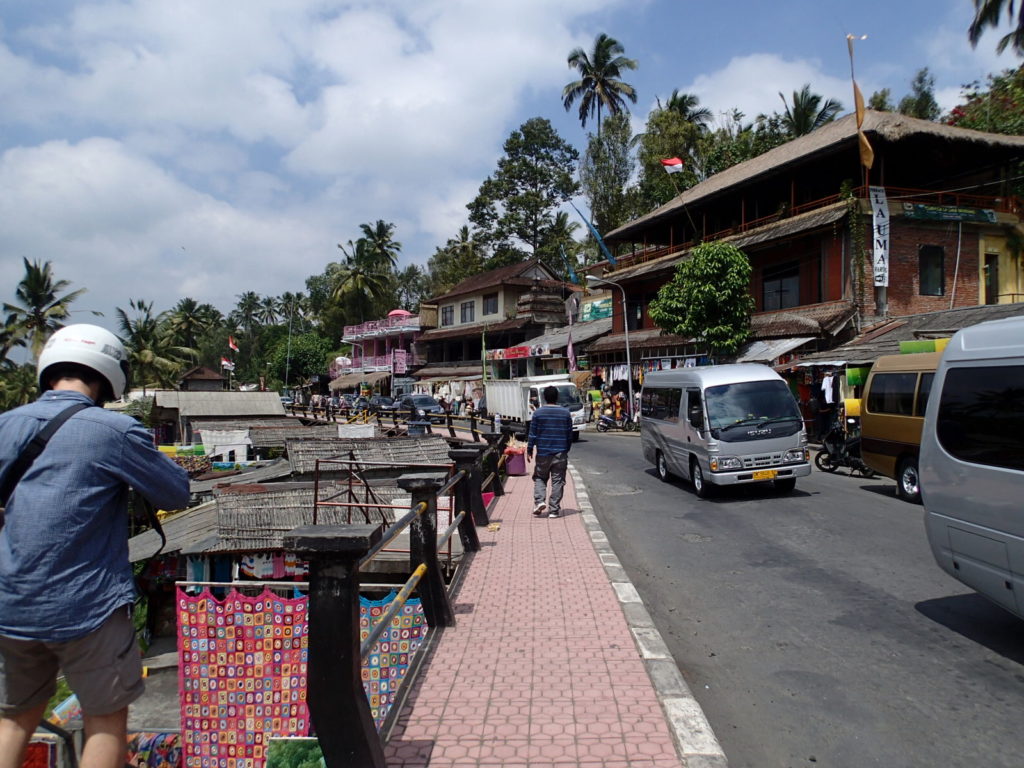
(726, 463)
(796, 456)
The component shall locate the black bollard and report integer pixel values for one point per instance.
(465, 459)
(337, 702)
(423, 547)
(495, 446)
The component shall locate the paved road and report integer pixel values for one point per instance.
(814, 629)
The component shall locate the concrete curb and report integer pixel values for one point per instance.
(696, 743)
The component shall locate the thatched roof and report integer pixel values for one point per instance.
(889, 126)
(428, 449)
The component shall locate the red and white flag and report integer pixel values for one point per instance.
(231, 341)
(225, 363)
(672, 165)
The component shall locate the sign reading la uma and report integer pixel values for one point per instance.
(879, 236)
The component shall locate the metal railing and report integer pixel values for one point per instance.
(337, 556)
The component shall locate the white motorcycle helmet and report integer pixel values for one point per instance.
(91, 346)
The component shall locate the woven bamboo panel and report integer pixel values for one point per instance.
(399, 451)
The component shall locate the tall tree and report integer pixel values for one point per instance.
(606, 171)
(599, 85)
(155, 360)
(735, 141)
(559, 249)
(516, 206)
(461, 257)
(997, 106)
(413, 285)
(986, 15)
(41, 307)
(920, 102)
(247, 311)
(381, 243)
(881, 101)
(359, 282)
(185, 323)
(687, 106)
(269, 310)
(708, 298)
(667, 134)
(808, 112)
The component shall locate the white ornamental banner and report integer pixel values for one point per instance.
(880, 235)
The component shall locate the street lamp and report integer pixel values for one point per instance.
(592, 280)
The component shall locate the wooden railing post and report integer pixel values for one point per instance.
(495, 445)
(423, 546)
(472, 427)
(337, 702)
(467, 496)
(451, 427)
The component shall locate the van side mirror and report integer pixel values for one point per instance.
(696, 417)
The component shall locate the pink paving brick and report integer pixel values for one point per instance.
(541, 669)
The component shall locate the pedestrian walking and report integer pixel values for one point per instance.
(551, 436)
(66, 587)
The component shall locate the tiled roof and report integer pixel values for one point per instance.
(474, 329)
(496, 277)
(812, 320)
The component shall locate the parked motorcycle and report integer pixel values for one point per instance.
(606, 423)
(841, 448)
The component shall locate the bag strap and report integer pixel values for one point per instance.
(34, 448)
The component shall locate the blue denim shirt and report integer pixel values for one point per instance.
(64, 545)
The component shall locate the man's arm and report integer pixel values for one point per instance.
(531, 439)
(151, 473)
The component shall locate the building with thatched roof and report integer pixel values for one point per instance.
(942, 198)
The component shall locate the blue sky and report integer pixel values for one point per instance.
(154, 150)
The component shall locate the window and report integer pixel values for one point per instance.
(448, 315)
(991, 278)
(662, 404)
(931, 266)
(634, 315)
(892, 393)
(923, 390)
(466, 310)
(981, 415)
(491, 304)
(780, 287)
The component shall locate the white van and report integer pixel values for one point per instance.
(723, 425)
(972, 461)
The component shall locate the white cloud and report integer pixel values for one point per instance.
(752, 84)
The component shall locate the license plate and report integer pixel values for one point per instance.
(765, 474)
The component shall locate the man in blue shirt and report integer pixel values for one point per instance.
(66, 585)
(551, 437)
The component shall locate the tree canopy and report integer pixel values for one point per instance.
(599, 85)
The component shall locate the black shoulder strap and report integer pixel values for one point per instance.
(34, 448)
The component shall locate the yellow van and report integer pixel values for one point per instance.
(892, 415)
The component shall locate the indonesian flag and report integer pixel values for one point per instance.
(672, 165)
(231, 343)
(225, 363)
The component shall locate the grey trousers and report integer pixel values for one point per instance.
(553, 467)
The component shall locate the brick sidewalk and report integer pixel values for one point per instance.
(541, 668)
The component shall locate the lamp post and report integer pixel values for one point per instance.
(591, 280)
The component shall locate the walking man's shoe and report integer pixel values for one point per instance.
(553, 513)
(540, 509)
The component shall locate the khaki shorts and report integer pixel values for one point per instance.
(103, 668)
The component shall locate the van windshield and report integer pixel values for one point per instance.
(752, 404)
(568, 397)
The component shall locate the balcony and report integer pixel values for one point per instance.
(369, 364)
(389, 326)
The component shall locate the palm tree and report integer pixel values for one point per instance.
(987, 13)
(381, 243)
(155, 359)
(269, 310)
(807, 112)
(247, 310)
(11, 335)
(18, 386)
(687, 106)
(599, 85)
(295, 308)
(185, 323)
(356, 281)
(42, 308)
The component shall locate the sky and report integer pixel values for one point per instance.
(155, 150)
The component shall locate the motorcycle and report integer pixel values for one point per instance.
(841, 448)
(606, 423)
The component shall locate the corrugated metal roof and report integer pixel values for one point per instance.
(191, 404)
(275, 470)
(766, 351)
(581, 333)
(181, 530)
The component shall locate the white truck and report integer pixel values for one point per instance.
(514, 400)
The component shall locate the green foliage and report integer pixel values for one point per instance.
(736, 141)
(986, 15)
(606, 170)
(667, 134)
(295, 753)
(515, 207)
(461, 257)
(920, 102)
(996, 107)
(808, 112)
(881, 101)
(155, 360)
(599, 85)
(708, 298)
(41, 308)
(141, 410)
(310, 355)
(858, 243)
(18, 386)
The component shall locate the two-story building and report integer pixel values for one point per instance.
(934, 225)
(498, 309)
(383, 354)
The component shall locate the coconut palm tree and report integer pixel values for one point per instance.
(599, 85)
(11, 335)
(154, 358)
(42, 307)
(185, 323)
(381, 243)
(987, 13)
(246, 311)
(687, 106)
(269, 310)
(808, 113)
(356, 281)
(18, 386)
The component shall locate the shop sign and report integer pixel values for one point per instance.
(400, 363)
(880, 235)
(927, 212)
(595, 310)
(516, 353)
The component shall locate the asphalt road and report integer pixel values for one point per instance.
(815, 628)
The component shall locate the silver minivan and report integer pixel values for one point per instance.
(723, 425)
(972, 461)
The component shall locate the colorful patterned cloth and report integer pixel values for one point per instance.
(242, 676)
(154, 750)
(242, 671)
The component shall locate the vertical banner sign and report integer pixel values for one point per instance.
(400, 365)
(880, 235)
